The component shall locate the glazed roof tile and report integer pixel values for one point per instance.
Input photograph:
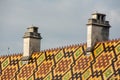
(65, 63)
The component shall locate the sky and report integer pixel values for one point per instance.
(60, 22)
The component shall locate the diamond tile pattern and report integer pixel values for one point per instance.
(67, 63)
(82, 63)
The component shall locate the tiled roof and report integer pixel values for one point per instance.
(67, 63)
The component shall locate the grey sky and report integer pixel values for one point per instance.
(60, 22)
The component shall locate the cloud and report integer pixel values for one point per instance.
(60, 22)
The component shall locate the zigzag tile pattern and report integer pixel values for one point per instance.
(67, 63)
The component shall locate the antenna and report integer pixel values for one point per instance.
(8, 50)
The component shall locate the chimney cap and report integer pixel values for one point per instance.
(32, 26)
(96, 13)
(32, 29)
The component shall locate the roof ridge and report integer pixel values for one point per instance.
(7, 55)
(110, 40)
(60, 47)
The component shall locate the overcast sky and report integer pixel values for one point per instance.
(60, 22)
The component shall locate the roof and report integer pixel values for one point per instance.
(66, 63)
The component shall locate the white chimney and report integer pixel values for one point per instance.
(31, 42)
(97, 30)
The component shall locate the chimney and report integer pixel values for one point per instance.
(97, 30)
(31, 42)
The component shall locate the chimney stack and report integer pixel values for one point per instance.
(97, 30)
(31, 42)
